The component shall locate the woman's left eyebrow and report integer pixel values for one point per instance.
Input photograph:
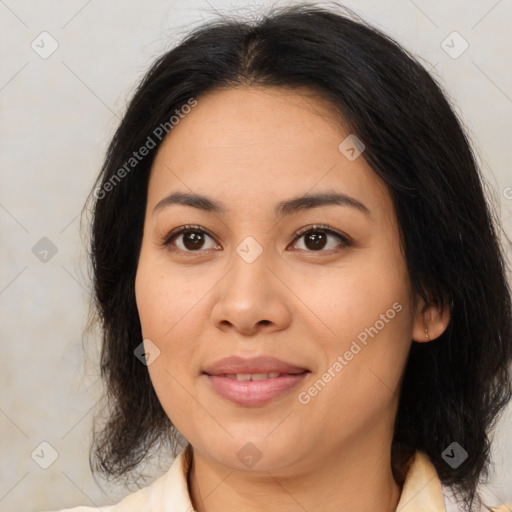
(308, 201)
(282, 208)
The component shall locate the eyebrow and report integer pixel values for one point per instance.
(281, 209)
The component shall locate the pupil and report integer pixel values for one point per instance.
(193, 240)
(317, 239)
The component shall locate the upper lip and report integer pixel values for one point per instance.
(263, 364)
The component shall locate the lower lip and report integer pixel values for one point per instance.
(254, 392)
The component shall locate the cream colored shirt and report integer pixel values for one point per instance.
(422, 491)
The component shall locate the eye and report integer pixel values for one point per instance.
(316, 238)
(193, 239)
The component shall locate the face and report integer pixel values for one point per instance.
(319, 285)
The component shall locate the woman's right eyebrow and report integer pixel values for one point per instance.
(199, 201)
(282, 209)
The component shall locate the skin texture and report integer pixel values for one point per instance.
(250, 148)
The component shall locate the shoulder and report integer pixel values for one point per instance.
(423, 490)
(170, 490)
(135, 502)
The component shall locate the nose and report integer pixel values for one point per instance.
(252, 298)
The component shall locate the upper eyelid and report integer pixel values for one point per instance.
(317, 227)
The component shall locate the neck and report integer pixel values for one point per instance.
(356, 478)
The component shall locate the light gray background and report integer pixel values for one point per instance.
(57, 115)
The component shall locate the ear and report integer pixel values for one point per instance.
(430, 321)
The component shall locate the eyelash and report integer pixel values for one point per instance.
(325, 228)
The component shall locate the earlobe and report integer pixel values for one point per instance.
(430, 321)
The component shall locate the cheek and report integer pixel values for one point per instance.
(172, 306)
(368, 309)
(354, 296)
(164, 297)
(152, 304)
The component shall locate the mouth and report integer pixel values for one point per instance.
(253, 382)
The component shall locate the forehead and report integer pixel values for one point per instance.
(258, 144)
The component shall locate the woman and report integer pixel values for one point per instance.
(296, 269)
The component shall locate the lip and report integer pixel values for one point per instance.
(262, 364)
(251, 393)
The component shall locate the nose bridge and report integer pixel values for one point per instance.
(249, 271)
(250, 250)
